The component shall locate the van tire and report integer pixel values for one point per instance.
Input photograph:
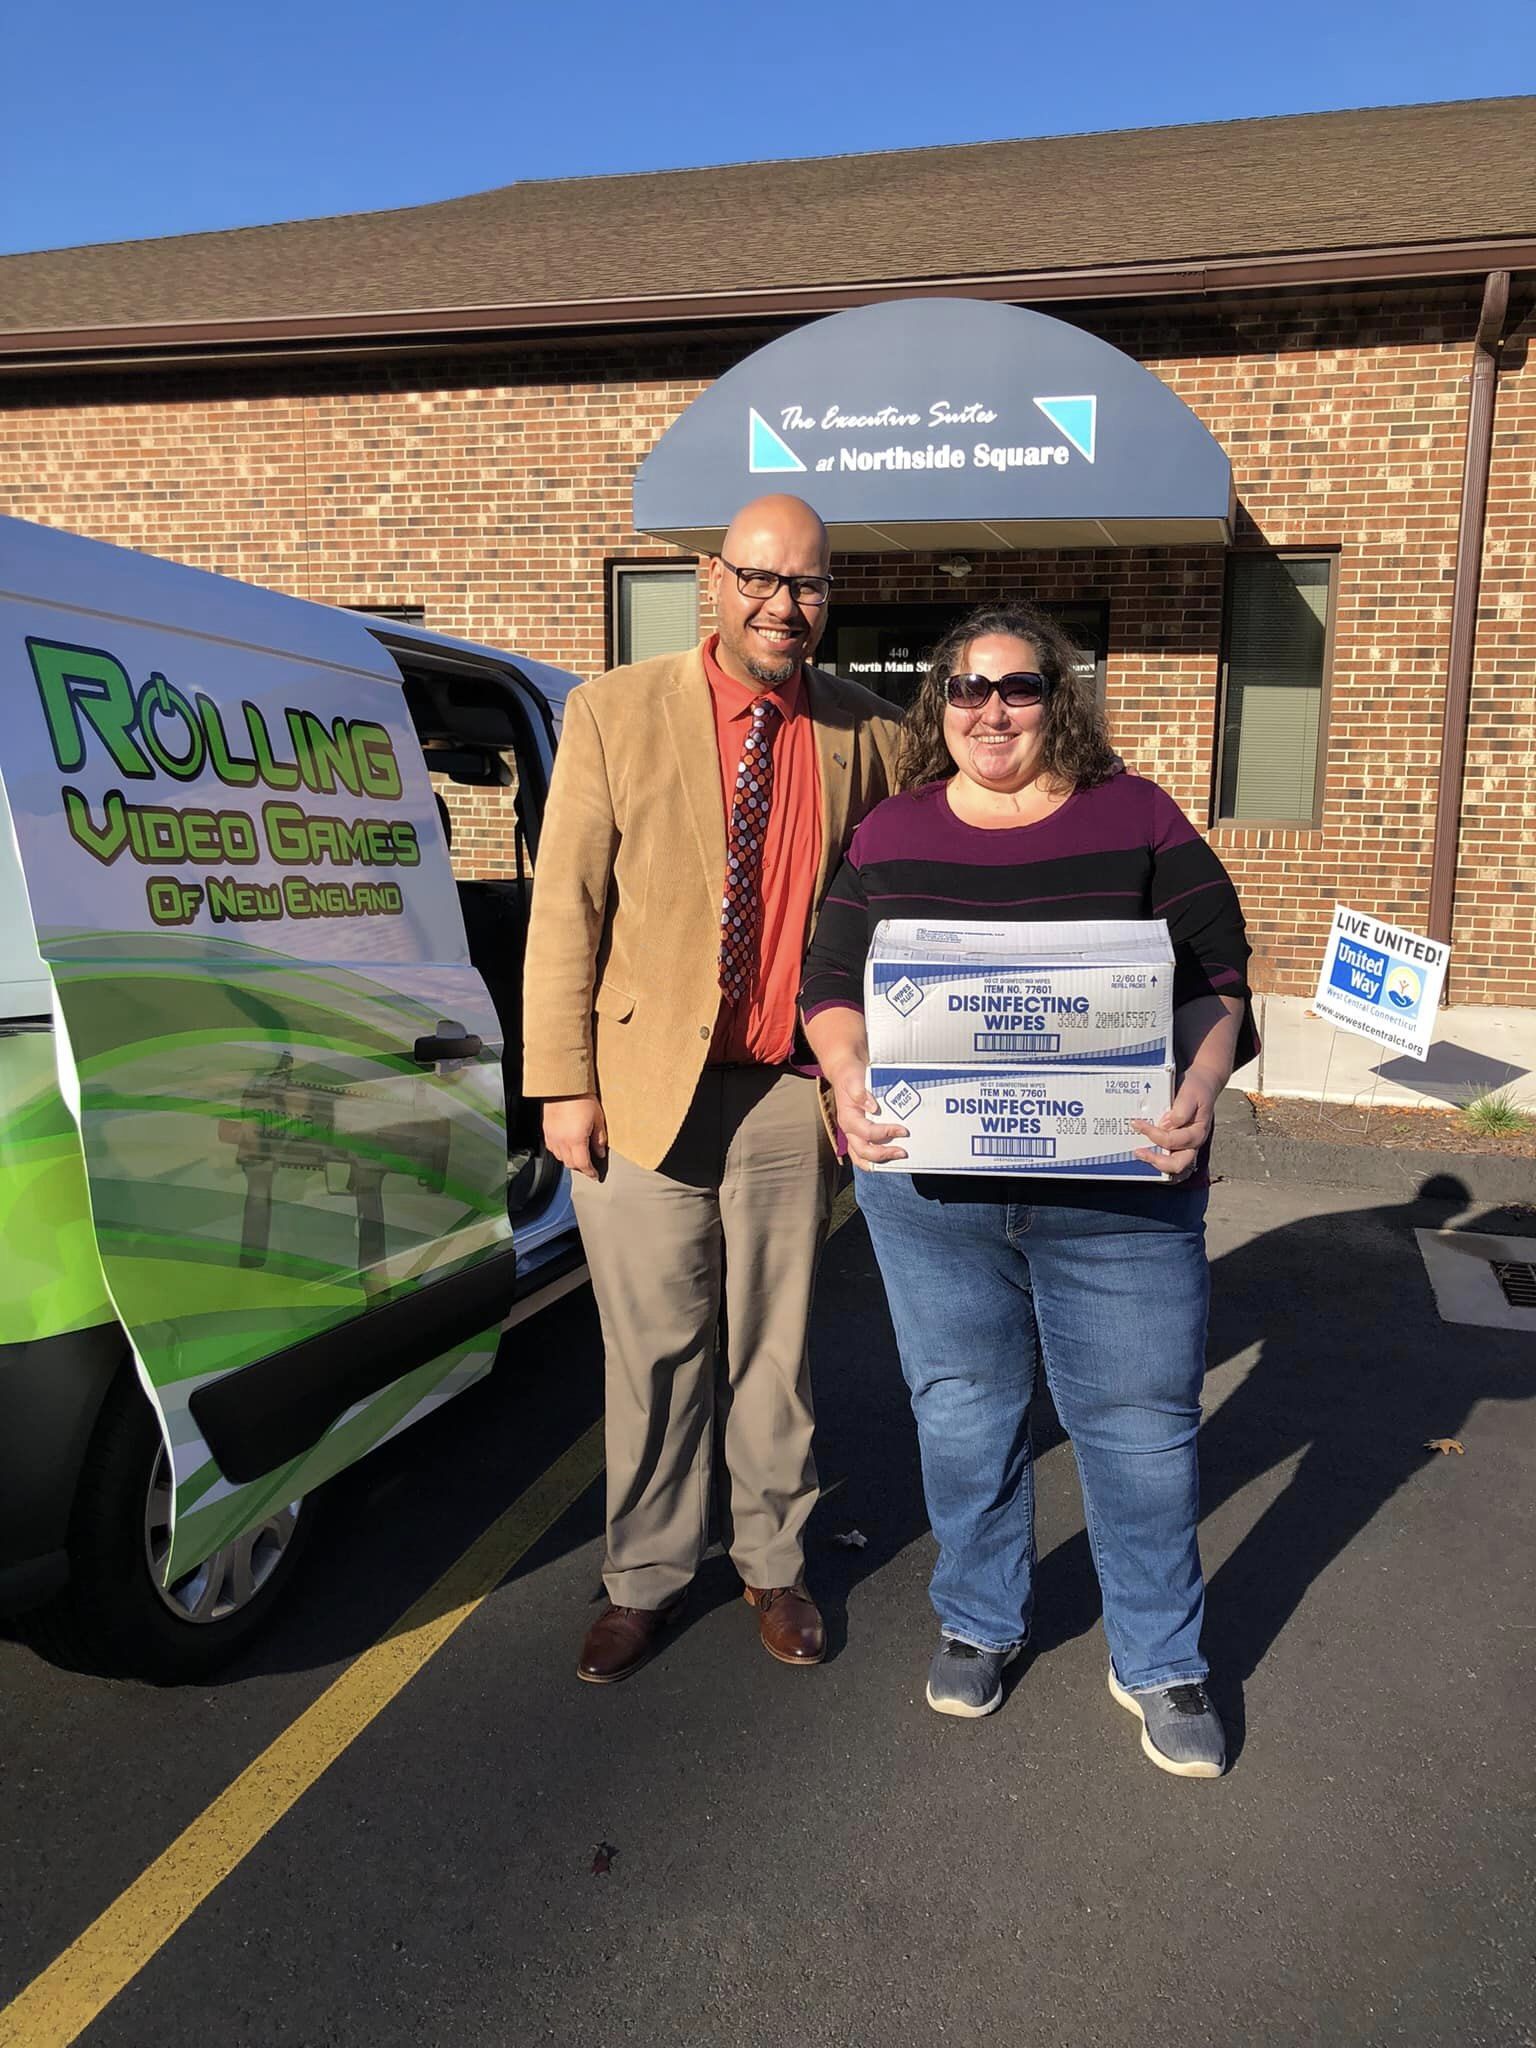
(111, 1619)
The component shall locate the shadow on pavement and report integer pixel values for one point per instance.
(1354, 1374)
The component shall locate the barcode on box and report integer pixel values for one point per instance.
(1013, 1148)
(1018, 1041)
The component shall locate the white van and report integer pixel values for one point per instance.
(269, 1190)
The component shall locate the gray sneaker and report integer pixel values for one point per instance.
(1180, 1730)
(966, 1681)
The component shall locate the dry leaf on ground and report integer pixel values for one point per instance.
(1446, 1444)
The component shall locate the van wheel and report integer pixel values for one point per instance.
(114, 1616)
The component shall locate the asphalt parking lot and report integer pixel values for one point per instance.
(726, 1851)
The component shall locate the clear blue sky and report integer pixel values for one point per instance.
(168, 117)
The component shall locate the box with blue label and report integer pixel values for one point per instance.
(1005, 1120)
(1081, 994)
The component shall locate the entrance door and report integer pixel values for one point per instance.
(887, 647)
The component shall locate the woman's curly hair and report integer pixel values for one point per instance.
(1074, 747)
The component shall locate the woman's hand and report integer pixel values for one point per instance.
(837, 1039)
(869, 1142)
(1183, 1129)
(1205, 1039)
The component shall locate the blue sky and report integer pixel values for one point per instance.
(170, 117)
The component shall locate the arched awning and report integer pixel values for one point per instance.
(943, 423)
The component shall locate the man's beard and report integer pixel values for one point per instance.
(771, 671)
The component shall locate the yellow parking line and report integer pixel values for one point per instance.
(57, 2006)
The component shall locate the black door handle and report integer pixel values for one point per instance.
(452, 1042)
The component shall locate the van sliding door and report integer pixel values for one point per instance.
(284, 1069)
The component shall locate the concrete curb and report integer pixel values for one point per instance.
(1240, 1152)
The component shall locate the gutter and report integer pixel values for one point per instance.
(1482, 392)
(30, 352)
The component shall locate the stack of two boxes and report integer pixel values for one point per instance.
(1021, 1048)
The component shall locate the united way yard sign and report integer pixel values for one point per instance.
(1381, 982)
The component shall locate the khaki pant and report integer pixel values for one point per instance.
(703, 1272)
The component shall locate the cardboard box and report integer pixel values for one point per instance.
(1084, 994)
(1075, 1124)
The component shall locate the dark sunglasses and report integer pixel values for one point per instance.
(970, 693)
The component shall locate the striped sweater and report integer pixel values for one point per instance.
(1120, 849)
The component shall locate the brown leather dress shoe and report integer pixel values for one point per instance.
(622, 1639)
(789, 1622)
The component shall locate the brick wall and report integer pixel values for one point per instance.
(494, 491)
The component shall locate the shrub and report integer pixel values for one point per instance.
(1496, 1114)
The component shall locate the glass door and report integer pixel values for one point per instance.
(887, 647)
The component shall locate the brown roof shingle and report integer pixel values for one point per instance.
(1460, 171)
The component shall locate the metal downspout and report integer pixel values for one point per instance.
(1469, 571)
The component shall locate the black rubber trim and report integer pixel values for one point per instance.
(51, 1391)
(272, 1410)
(556, 1268)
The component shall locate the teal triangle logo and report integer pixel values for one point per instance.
(768, 451)
(1077, 418)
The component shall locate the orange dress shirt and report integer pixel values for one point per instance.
(760, 1029)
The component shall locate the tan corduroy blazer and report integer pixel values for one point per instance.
(622, 982)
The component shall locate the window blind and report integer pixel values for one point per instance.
(658, 612)
(1277, 633)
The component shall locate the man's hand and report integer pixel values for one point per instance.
(868, 1142)
(576, 1131)
(1183, 1129)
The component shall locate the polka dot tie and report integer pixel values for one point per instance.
(741, 908)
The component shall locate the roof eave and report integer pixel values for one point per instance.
(298, 336)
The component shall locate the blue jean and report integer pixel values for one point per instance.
(1109, 1291)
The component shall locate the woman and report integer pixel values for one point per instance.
(1013, 806)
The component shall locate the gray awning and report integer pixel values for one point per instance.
(943, 423)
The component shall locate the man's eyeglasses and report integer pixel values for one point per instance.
(764, 583)
(1018, 691)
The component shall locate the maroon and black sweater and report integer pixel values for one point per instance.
(1120, 849)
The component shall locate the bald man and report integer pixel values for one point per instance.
(700, 803)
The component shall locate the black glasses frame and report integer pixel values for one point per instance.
(811, 590)
(1019, 690)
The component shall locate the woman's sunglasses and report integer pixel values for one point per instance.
(970, 693)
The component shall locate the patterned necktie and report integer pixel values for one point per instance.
(741, 908)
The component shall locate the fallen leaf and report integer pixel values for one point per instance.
(602, 1860)
(850, 1539)
(1446, 1444)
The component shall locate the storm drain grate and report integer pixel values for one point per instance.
(1484, 1280)
(1518, 1281)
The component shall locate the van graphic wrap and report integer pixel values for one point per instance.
(264, 804)
(51, 1280)
(223, 851)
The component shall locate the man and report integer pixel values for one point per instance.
(699, 806)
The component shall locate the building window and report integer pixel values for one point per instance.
(1279, 615)
(654, 610)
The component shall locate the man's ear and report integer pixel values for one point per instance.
(714, 569)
